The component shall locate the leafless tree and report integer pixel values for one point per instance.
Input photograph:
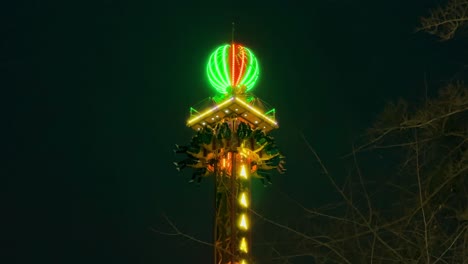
(405, 199)
(411, 207)
(414, 211)
(444, 21)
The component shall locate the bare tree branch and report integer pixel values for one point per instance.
(445, 21)
(177, 232)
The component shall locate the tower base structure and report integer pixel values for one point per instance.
(232, 144)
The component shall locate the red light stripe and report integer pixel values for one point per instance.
(242, 64)
(233, 62)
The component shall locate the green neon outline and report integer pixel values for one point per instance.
(211, 75)
(225, 62)
(249, 67)
(273, 110)
(218, 75)
(250, 78)
(216, 78)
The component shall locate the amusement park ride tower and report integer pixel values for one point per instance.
(232, 143)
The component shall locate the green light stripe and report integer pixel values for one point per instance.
(254, 78)
(225, 61)
(242, 54)
(218, 69)
(215, 74)
(211, 75)
(251, 76)
(219, 76)
(249, 66)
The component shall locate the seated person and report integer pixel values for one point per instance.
(191, 160)
(198, 174)
(206, 136)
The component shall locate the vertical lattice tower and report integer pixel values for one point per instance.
(232, 143)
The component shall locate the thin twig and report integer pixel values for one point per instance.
(301, 235)
(318, 213)
(451, 245)
(421, 198)
(368, 225)
(179, 233)
(369, 206)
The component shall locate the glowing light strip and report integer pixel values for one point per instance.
(216, 74)
(226, 73)
(249, 67)
(216, 107)
(219, 59)
(251, 82)
(241, 70)
(233, 62)
(209, 71)
(222, 72)
(256, 111)
(215, 78)
(250, 78)
(271, 111)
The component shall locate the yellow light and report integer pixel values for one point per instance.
(243, 245)
(243, 261)
(243, 222)
(256, 111)
(189, 122)
(243, 172)
(243, 200)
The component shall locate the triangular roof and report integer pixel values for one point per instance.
(234, 107)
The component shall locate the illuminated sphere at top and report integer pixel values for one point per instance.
(232, 66)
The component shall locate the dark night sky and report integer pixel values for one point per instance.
(101, 93)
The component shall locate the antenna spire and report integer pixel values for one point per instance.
(232, 32)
